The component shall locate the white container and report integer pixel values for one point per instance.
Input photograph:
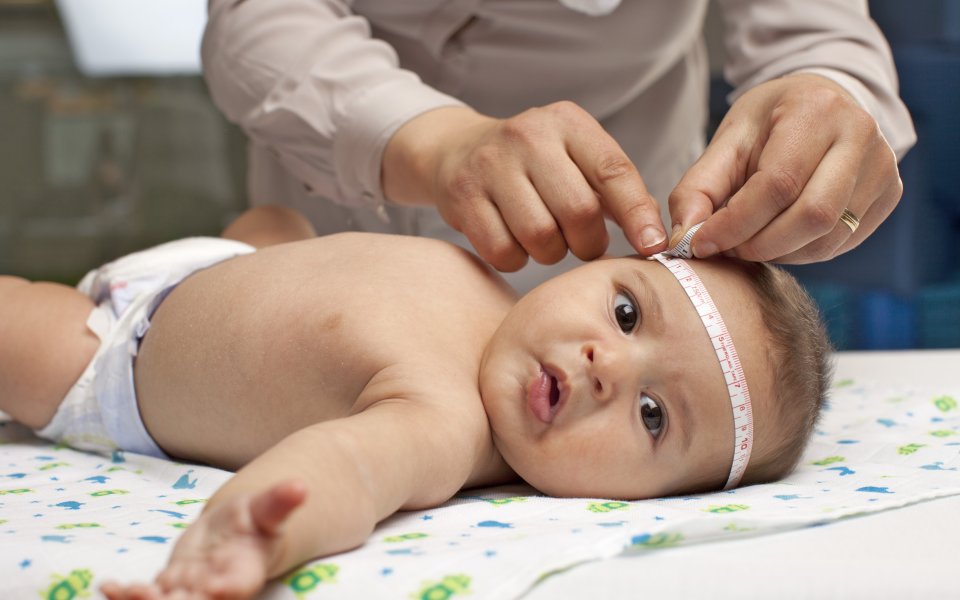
(135, 37)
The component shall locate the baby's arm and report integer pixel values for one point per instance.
(345, 475)
(267, 225)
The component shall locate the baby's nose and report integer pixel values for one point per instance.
(601, 369)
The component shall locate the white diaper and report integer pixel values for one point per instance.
(100, 412)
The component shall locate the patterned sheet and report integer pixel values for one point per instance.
(70, 520)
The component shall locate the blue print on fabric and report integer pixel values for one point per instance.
(874, 490)
(173, 514)
(494, 524)
(842, 470)
(62, 539)
(937, 466)
(184, 483)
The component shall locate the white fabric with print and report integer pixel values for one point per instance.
(70, 520)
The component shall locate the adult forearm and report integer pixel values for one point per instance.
(411, 158)
(766, 40)
(306, 79)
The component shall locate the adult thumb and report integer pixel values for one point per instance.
(703, 189)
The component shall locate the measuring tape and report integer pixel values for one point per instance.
(723, 345)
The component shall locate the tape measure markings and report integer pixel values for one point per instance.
(723, 347)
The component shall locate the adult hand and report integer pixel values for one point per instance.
(788, 158)
(536, 184)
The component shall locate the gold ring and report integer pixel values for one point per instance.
(850, 220)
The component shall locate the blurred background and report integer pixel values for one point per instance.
(109, 143)
(108, 139)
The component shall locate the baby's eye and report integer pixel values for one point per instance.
(625, 311)
(652, 415)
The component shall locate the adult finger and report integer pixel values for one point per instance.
(787, 161)
(484, 226)
(872, 201)
(529, 220)
(622, 192)
(709, 182)
(881, 187)
(824, 247)
(812, 217)
(874, 217)
(574, 205)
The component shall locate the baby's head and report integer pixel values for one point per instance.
(603, 382)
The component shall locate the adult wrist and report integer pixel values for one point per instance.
(412, 157)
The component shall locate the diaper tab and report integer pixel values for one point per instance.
(99, 323)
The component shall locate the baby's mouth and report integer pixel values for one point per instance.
(554, 391)
(544, 396)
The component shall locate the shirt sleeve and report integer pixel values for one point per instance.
(833, 38)
(306, 79)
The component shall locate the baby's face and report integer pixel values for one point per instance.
(603, 382)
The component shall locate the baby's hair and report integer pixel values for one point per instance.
(800, 355)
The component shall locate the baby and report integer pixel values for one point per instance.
(351, 376)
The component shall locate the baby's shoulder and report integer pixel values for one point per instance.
(422, 265)
(441, 389)
(388, 246)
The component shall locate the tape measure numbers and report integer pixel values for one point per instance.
(723, 346)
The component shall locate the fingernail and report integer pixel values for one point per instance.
(676, 235)
(651, 236)
(704, 249)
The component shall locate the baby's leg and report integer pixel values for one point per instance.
(44, 347)
(263, 226)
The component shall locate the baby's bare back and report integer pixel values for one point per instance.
(242, 354)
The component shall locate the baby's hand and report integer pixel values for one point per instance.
(226, 553)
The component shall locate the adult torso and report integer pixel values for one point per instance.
(503, 56)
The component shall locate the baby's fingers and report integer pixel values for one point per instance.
(137, 591)
(180, 594)
(229, 586)
(185, 581)
(271, 508)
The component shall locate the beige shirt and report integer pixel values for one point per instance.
(321, 85)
